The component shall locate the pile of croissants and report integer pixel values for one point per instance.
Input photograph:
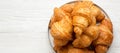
(80, 27)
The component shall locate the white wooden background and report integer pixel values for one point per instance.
(23, 24)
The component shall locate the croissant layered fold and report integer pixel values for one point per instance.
(77, 27)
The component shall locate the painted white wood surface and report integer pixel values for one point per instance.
(23, 24)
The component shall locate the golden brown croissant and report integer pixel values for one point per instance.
(62, 29)
(82, 9)
(81, 17)
(82, 42)
(101, 49)
(58, 43)
(79, 24)
(96, 12)
(84, 14)
(105, 37)
(92, 32)
(106, 22)
(86, 39)
(70, 49)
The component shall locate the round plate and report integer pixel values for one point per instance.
(51, 38)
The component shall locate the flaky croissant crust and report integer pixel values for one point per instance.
(78, 26)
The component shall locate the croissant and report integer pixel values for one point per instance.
(86, 39)
(62, 29)
(85, 14)
(65, 48)
(81, 17)
(106, 22)
(70, 49)
(58, 43)
(79, 23)
(105, 37)
(82, 42)
(96, 12)
(101, 49)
